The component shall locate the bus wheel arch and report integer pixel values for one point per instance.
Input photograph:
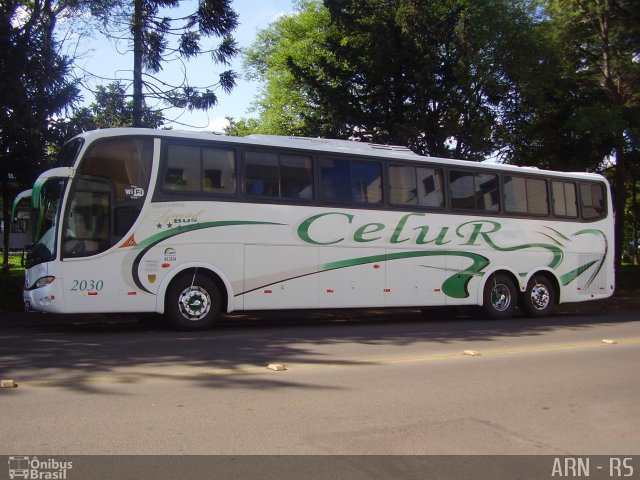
(541, 294)
(194, 298)
(500, 293)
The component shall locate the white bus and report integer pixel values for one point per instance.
(193, 225)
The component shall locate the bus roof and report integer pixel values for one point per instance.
(325, 145)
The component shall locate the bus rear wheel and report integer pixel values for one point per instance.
(499, 300)
(193, 302)
(539, 298)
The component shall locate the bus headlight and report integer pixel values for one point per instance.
(42, 282)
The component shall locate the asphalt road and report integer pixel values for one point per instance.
(370, 383)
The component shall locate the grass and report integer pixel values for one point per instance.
(11, 281)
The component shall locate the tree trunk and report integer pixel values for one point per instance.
(137, 24)
(6, 215)
(620, 201)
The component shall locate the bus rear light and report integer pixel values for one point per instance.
(42, 282)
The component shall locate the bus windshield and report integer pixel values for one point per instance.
(48, 218)
(69, 152)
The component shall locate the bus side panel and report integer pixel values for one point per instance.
(280, 277)
(96, 285)
(352, 277)
(415, 281)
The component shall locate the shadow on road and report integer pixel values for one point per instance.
(76, 349)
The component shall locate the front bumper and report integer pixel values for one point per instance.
(45, 299)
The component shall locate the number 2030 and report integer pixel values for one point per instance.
(87, 285)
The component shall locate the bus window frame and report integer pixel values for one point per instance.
(161, 193)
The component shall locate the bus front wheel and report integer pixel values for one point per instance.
(500, 296)
(193, 302)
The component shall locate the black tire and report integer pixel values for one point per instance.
(539, 298)
(193, 303)
(499, 297)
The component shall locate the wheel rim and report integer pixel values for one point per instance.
(500, 297)
(194, 303)
(540, 296)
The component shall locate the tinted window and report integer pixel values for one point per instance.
(525, 195)
(592, 200)
(351, 181)
(564, 199)
(296, 177)
(416, 186)
(195, 169)
(126, 164)
(261, 174)
(279, 176)
(219, 170)
(473, 191)
(182, 169)
(88, 227)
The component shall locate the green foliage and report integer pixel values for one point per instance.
(111, 108)
(34, 85)
(284, 104)
(602, 39)
(11, 282)
(437, 76)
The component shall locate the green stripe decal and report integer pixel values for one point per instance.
(146, 244)
(569, 277)
(596, 232)
(558, 254)
(158, 237)
(455, 286)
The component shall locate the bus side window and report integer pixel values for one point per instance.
(422, 186)
(474, 191)
(335, 177)
(430, 187)
(592, 200)
(367, 182)
(183, 168)
(296, 177)
(564, 199)
(219, 171)
(261, 174)
(403, 188)
(525, 195)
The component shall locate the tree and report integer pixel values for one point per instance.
(110, 109)
(284, 104)
(556, 115)
(604, 36)
(34, 85)
(436, 76)
(156, 39)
